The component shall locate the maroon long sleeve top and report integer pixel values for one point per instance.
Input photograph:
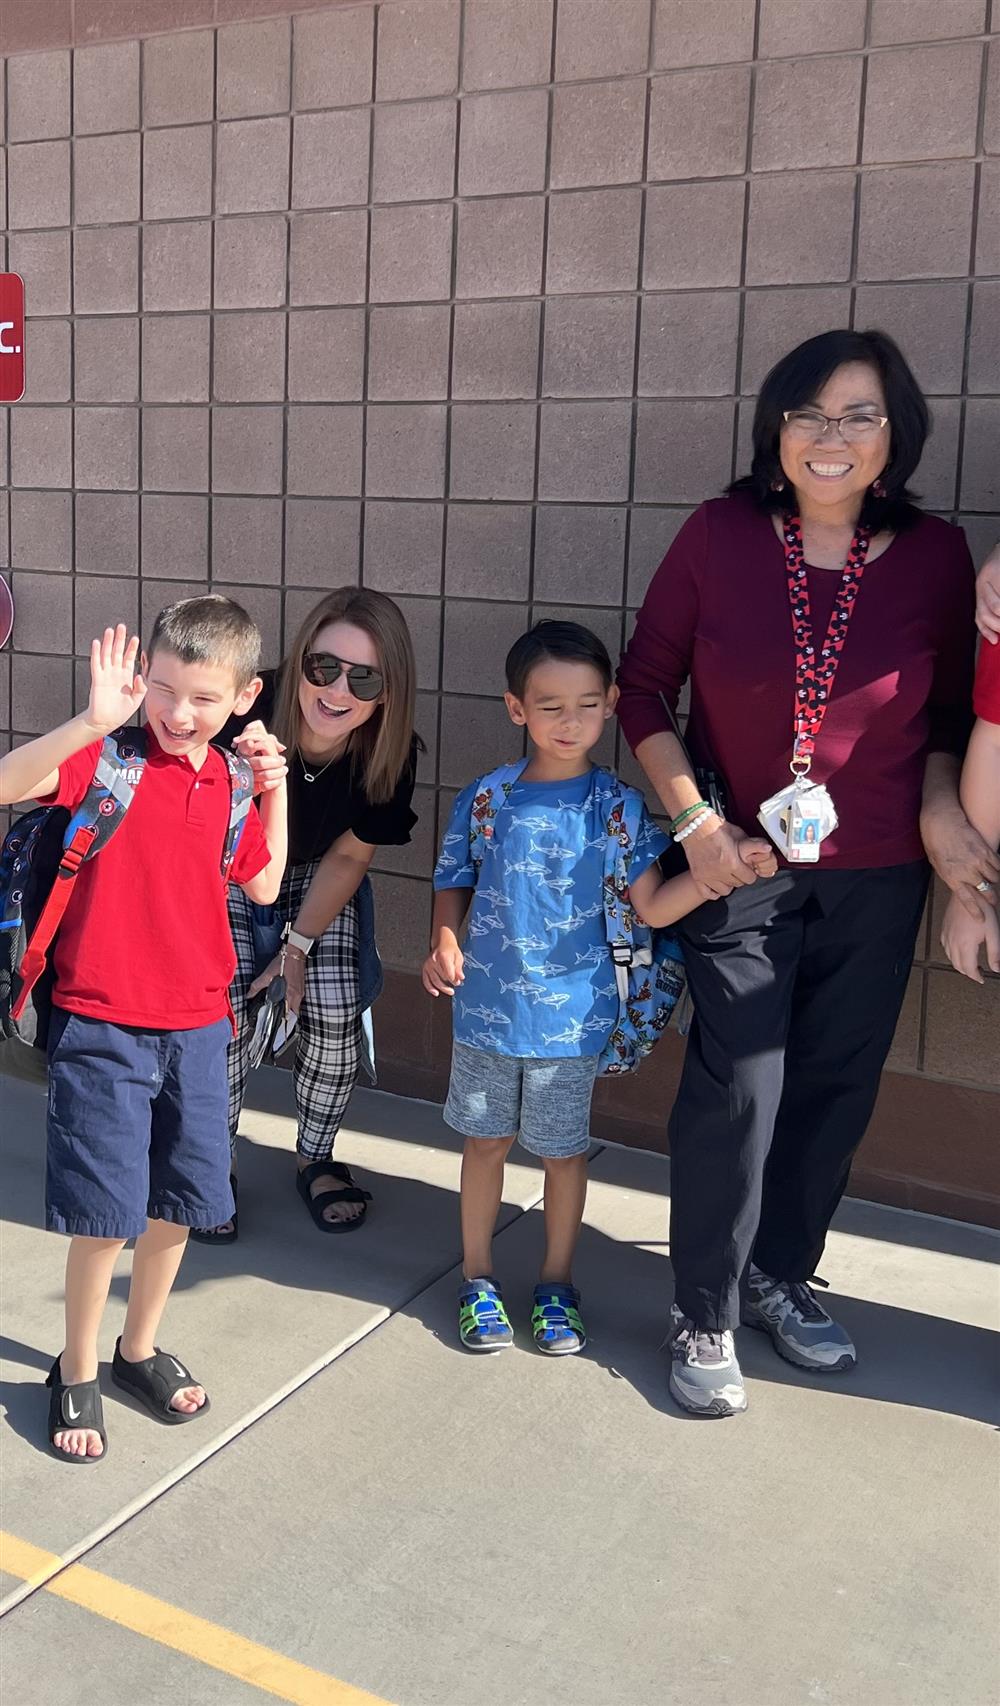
(717, 613)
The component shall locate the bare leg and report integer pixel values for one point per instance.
(154, 1268)
(482, 1187)
(89, 1265)
(565, 1196)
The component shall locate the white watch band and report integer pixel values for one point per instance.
(295, 940)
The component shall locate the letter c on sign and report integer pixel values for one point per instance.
(6, 348)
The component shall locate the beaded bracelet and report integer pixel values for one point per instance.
(682, 817)
(695, 823)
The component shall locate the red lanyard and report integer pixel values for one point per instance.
(814, 678)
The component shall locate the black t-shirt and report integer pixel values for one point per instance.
(319, 812)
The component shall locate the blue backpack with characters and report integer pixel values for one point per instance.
(40, 860)
(648, 964)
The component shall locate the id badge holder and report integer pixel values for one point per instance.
(804, 828)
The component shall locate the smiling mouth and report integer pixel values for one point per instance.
(178, 734)
(334, 711)
(830, 470)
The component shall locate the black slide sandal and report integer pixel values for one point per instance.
(153, 1382)
(209, 1234)
(76, 1406)
(316, 1204)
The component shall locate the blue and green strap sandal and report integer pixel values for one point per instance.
(483, 1322)
(556, 1323)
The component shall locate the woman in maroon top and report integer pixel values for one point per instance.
(812, 607)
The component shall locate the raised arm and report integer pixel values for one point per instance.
(116, 692)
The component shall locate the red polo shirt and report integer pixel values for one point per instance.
(986, 698)
(146, 938)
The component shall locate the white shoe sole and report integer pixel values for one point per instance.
(716, 1408)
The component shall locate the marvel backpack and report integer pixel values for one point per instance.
(648, 964)
(40, 860)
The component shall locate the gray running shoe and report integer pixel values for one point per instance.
(705, 1376)
(799, 1327)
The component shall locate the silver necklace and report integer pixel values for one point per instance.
(314, 775)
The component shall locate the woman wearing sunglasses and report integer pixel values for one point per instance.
(342, 703)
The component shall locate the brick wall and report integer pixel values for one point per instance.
(481, 341)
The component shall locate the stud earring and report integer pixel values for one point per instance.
(878, 489)
(777, 485)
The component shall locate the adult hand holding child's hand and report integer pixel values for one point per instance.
(116, 691)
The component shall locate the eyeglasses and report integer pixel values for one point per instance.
(810, 423)
(322, 669)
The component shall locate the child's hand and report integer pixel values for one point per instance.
(264, 753)
(442, 971)
(116, 691)
(760, 856)
(962, 937)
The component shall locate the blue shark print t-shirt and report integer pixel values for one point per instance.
(538, 974)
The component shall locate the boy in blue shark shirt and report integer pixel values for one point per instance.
(535, 996)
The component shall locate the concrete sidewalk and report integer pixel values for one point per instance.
(368, 1508)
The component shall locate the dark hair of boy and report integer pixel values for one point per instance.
(209, 629)
(566, 641)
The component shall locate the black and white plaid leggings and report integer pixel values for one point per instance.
(328, 1051)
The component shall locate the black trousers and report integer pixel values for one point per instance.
(797, 984)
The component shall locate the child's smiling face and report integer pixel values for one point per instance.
(565, 706)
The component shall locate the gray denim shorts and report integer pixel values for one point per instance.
(545, 1103)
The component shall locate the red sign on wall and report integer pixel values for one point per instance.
(11, 337)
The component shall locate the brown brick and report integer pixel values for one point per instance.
(417, 49)
(905, 1052)
(580, 554)
(905, 117)
(405, 450)
(584, 451)
(321, 542)
(175, 358)
(698, 123)
(177, 265)
(597, 133)
(589, 346)
(333, 58)
(991, 121)
(477, 733)
(106, 357)
(799, 26)
(800, 228)
(504, 142)
(106, 87)
(177, 172)
(496, 350)
(157, 595)
(694, 235)
(413, 151)
(411, 253)
(928, 321)
(702, 32)
(263, 606)
(107, 533)
(330, 158)
(416, 858)
(507, 43)
(174, 538)
(493, 450)
(936, 473)
(594, 240)
(916, 20)
(916, 221)
(178, 78)
(984, 345)
(247, 447)
(41, 450)
(961, 1028)
(489, 551)
(44, 612)
(324, 451)
(41, 530)
(101, 602)
(175, 449)
(774, 321)
(251, 165)
(988, 222)
(595, 39)
(651, 532)
(43, 260)
(423, 618)
(683, 450)
(980, 467)
(38, 96)
(403, 546)
(106, 270)
(688, 344)
(328, 257)
(250, 262)
(607, 625)
(47, 373)
(41, 692)
(246, 540)
(106, 188)
(249, 358)
(500, 247)
(254, 68)
(38, 184)
(475, 631)
(404, 910)
(806, 112)
(408, 353)
(326, 355)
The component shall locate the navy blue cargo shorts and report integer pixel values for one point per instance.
(138, 1127)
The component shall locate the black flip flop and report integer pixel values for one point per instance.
(316, 1204)
(209, 1234)
(153, 1383)
(76, 1406)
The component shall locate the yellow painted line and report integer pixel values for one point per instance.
(181, 1631)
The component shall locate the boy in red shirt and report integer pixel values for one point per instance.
(962, 935)
(138, 1136)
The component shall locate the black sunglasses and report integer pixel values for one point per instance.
(322, 669)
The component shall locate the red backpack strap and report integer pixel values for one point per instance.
(240, 799)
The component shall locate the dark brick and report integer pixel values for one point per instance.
(324, 451)
(249, 358)
(177, 172)
(475, 631)
(106, 87)
(247, 450)
(38, 104)
(916, 221)
(916, 20)
(44, 613)
(584, 451)
(41, 450)
(774, 321)
(507, 43)
(101, 602)
(38, 190)
(176, 265)
(106, 358)
(43, 260)
(48, 377)
(688, 344)
(594, 39)
(326, 355)
(984, 345)
(493, 450)
(988, 223)
(597, 133)
(250, 262)
(589, 346)
(41, 530)
(333, 57)
(698, 123)
(980, 470)
(504, 142)
(496, 350)
(175, 358)
(178, 78)
(408, 353)
(694, 235)
(251, 165)
(936, 473)
(800, 228)
(489, 551)
(106, 185)
(413, 151)
(928, 321)
(41, 692)
(403, 546)
(652, 531)
(683, 450)
(254, 64)
(905, 116)
(477, 732)
(580, 554)
(328, 258)
(594, 240)
(500, 247)
(417, 49)
(702, 32)
(806, 112)
(322, 537)
(107, 533)
(411, 253)
(405, 450)
(800, 26)
(246, 539)
(175, 449)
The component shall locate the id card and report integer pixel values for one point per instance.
(798, 819)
